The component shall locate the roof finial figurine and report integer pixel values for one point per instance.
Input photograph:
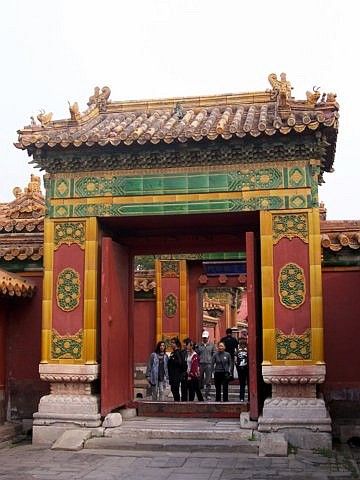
(44, 118)
(179, 111)
(33, 121)
(74, 111)
(93, 100)
(100, 98)
(282, 86)
(313, 97)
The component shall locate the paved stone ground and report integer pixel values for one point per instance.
(27, 462)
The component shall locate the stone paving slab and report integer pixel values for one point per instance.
(27, 462)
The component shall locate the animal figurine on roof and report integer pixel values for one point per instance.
(313, 97)
(44, 118)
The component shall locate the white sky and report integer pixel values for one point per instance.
(55, 51)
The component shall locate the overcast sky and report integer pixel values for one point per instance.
(52, 52)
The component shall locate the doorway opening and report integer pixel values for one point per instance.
(196, 237)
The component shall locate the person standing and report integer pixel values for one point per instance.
(206, 351)
(157, 371)
(193, 373)
(231, 345)
(176, 368)
(221, 366)
(242, 367)
(183, 382)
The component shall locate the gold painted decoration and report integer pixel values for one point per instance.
(67, 346)
(170, 305)
(170, 269)
(69, 233)
(68, 289)
(291, 286)
(293, 346)
(290, 226)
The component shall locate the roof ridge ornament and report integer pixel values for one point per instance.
(100, 98)
(44, 118)
(281, 92)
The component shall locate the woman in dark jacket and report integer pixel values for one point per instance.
(176, 368)
(221, 366)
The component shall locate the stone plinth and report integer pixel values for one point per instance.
(71, 403)
(294, 408)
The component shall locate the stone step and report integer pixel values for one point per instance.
(208, 409)
(173, 445)
(174, 434)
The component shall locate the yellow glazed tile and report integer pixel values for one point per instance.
(90, 314)
(317, 344)
(268, 313)
(269, 345)
(47, 285)
(90, 346)
(316, 312)
(47, 314)
(45, 345)
(266, 250)
(90, 284)
(267, 281)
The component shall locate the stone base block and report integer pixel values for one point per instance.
(246, 423)
(305, 422)
(48, 434)
(304, 438)
(273, 445)
(72, 439)
(127, 413)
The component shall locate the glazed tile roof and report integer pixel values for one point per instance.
(337, 234)
(184, 119)
(12, 285)
(22, 224)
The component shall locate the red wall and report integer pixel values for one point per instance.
(24, 387)
(341, 325)
(144, 329)
(2, 359)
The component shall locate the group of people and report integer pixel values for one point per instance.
(189, 368)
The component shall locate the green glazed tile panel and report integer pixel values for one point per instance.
(208, 182)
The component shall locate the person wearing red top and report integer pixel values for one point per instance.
(193, 373)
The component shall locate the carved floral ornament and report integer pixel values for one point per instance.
(291, 286)
(68, 290)
(170, 305)
(170, 268)
(290, 226)
(69, 233)
(293, 346)
(68, 346)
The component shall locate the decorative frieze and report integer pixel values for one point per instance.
(66, 346)
(290, 226)
(176, 208)
(69, 233)
(293, 346)
(291, 286)
(259, 177)
(68, 289)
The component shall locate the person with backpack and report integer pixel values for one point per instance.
(242, 367)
